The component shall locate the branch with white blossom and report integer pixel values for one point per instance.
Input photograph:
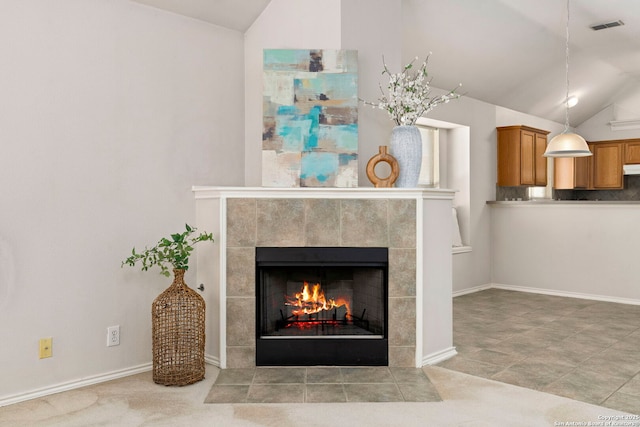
(408, 94)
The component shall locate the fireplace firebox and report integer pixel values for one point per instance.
(321, 306)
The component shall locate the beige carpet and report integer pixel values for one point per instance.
(137, 401)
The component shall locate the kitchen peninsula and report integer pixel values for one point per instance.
(585, 249)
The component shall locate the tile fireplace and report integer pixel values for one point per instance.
(408, 317)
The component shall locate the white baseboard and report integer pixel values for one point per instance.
(564, 294)
(439, 356)
(212, 360)
(472, 290)
(46, 391)
(70, 385)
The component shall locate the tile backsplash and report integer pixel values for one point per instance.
(631, 192)
(511, 193)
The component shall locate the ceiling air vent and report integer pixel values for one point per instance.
(598, 27)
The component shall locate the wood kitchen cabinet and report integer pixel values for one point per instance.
(520, 156)
(606, 165)
(632, 152)
(571, 173)
(602, 171)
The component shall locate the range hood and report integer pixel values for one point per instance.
(631, 169)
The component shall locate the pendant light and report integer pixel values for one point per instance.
(567, 144)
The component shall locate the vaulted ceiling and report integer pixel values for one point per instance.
(506, 52)
(234, 14)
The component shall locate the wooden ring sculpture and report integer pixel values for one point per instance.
(382, 156)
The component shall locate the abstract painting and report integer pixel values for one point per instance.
(310, 118)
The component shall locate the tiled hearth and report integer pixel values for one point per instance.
(242, 219)
(322, 385)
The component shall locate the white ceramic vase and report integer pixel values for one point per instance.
(406, 147)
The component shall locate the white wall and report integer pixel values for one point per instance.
(284, 24)
(577, 249)
(597, 127)
(459, 176)
(472, 269)
(337, 24)
(375, 34)
(110, 112)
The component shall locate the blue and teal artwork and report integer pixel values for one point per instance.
(310, 118)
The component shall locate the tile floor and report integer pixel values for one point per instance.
(582, 349)
(322, 385)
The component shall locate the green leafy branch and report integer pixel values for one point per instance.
(172, 252)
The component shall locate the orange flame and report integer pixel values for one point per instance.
(312, 300)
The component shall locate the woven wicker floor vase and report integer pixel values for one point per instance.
(178, 321)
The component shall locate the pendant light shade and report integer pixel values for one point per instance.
(567, 144)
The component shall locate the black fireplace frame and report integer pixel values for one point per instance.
(342, 351)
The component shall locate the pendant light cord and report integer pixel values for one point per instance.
(567, 144)
(566, 99)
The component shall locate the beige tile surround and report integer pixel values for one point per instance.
(291, 222)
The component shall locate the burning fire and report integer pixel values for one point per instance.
(311, 300)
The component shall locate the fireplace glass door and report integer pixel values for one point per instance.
(321, 306)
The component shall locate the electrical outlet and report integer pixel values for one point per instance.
(46, 347)
(113, 335)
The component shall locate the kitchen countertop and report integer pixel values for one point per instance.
(550, 202)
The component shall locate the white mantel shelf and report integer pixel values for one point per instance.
(207, 192)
